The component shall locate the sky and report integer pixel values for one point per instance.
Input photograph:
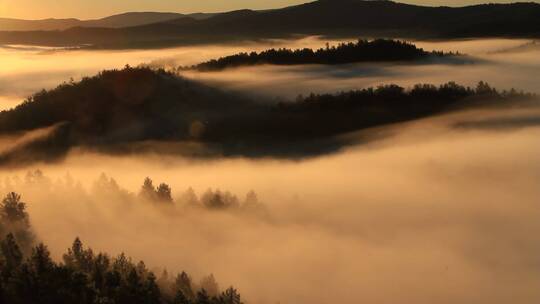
(87, 9)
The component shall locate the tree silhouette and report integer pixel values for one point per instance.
(210, 285)
(378, 50)
(183, 285)
(163, 194)
(15, 220)
(217, 200)
(152, 294)
(180, 298)
(202, 297)
(79, 258)
(13, 256)
(13, 210)
(88, 278)
(148, 191)
(230, 296)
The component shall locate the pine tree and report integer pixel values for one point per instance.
(14, 219)
(148, 191)
(210, 285)
(12, 210)
(40, 261)
(164, 194)
(180, 298)
(79, 258)
(202, 297)
(230, 296)
(12, 255)
(133, 287)
(183, 284)
(99, 271)
(152, 294)
(189, 198)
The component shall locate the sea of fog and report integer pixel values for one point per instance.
(26, 70)
(440, 210)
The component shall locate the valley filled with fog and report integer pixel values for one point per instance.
(502, 63)
(442, 209)
(434, 212)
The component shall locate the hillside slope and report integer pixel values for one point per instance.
(139, 109)
(322, 17)
(114, 21)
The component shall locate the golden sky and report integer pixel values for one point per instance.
(38, 9)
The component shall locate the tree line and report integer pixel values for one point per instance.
(28, 274)
(378, 50)
(119, 110)
(106, 188)
(210, 200)
(322, 116)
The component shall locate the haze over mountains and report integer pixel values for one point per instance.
(114, 21)
(322, 17)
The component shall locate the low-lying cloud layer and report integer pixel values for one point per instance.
(502, 70)
(28, 70)
(441, 210)
(435, 213)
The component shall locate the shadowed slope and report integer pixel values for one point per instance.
(323, 17)
(139, 109)
(114, 21)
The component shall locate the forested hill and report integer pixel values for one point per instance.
(345, 18)
(378, 50)
(29, 275)
(134, 105)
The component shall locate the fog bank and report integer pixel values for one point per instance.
(507, 70)
(436, 213)
(26, 70)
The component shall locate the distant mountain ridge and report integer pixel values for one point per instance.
(114, 21)
(346, 18)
